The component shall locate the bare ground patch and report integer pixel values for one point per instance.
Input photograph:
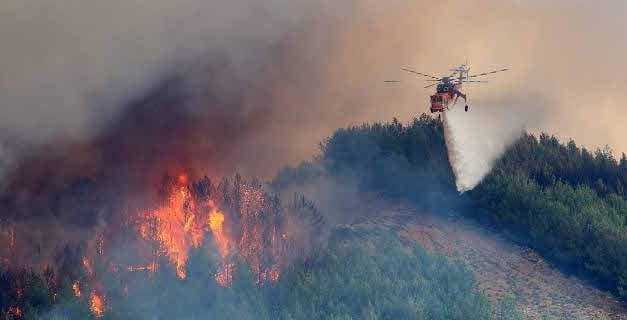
(502, 267)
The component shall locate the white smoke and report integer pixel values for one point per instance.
(475, 139)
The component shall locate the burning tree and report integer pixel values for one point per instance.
(245, 223)
(236, 223)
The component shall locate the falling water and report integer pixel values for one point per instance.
(475, 140)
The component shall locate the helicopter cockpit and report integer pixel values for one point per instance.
(445, 87)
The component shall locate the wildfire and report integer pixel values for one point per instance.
(183, 179)
(97, 304)
(224, 277)
(76, 287)
(89, 268)
(254, 242)
(175, 228)
(273, 273)
(247, 226)
(183, 221)
(15, 312)
(8, 241)
(216, 221)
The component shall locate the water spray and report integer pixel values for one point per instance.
(475, 140)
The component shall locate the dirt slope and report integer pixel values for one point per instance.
(502, 267)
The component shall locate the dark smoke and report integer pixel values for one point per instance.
(101, 123)
(189, 122)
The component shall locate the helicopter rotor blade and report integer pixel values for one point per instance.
(486, 73)
(420, 73)
(392, 81)
(431, 85)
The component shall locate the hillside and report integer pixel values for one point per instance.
(373, 228)
(562, 201)
(503, 270)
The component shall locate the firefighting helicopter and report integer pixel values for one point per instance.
(448, 88)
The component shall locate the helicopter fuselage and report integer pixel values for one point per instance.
(445, 96)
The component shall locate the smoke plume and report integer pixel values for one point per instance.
(69, 71)
(107, 105)
(104, 108)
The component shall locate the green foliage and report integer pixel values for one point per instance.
(559, 198)
(374, 276)
(546, 161)
(388, 155)
(564, 201)
(397, 161)
(571, 226)
(508, 309)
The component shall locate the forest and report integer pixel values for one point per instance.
(566, 202)
(325, 271)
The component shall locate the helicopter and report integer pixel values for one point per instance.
(448, 88)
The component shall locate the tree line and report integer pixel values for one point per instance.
(567, 202)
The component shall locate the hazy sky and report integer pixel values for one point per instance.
(67, 69)
(566, 58)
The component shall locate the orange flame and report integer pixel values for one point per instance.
(171, 228)
(224, 277)
(15, 312)
(175, 227)
(216, 221)
(247, 224)
(182, 223)
(183, 179)
(97, 304)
